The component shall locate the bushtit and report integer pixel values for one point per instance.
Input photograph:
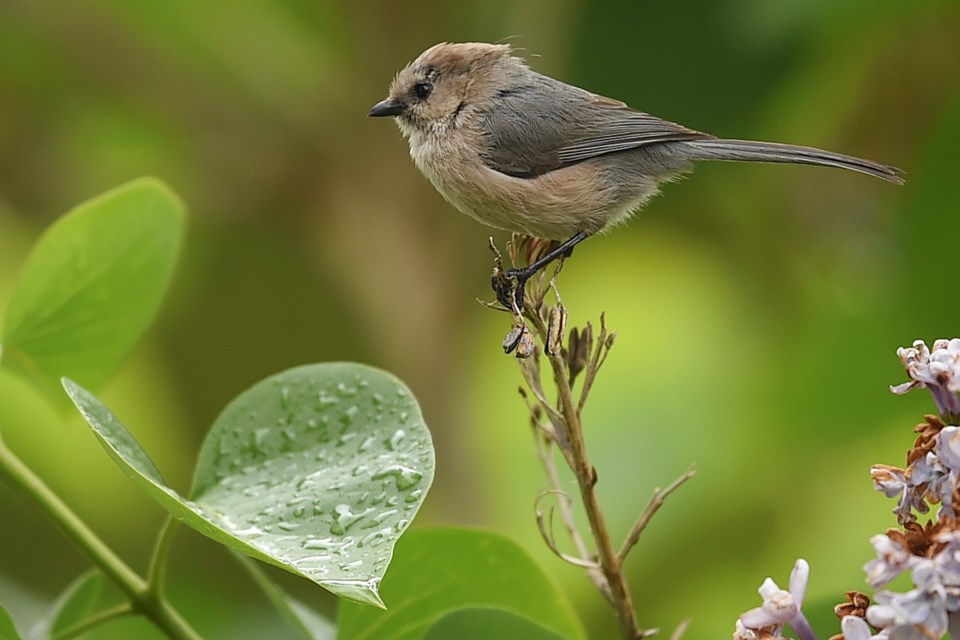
(520, 151)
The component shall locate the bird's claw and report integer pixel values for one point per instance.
(509, 287)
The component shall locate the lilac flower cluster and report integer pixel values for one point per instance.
(932, 474)
(924, 612)
(933, 466)
(937, 370)
(930, 553)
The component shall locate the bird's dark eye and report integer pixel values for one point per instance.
(422, 90)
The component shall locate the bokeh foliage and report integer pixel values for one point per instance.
(758, 307)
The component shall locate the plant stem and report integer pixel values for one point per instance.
(544, 450)
(587, 481)
(586, 476)
(21, 477)
(565, 429)
(142, 600)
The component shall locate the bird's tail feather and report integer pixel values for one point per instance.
(750, 151)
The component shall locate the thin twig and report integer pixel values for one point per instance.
(680, 630)
(566, 516)
(604, 342)
(546, 532)
(536, 388)
(659, 495)
(536, 413)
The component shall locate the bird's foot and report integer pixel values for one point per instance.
(509, 285)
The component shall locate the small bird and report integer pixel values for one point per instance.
(520, 151)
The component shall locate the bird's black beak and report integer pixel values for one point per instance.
(388, 107)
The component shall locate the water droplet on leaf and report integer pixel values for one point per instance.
(405, 477)
(344, 518)
(396, 439)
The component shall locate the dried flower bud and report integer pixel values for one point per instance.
(556, 325)
(855, 605)
(610, 339)
(926, 439)
(512, 341)
(525, 344)
(578, 350)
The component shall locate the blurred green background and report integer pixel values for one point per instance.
(758, 307)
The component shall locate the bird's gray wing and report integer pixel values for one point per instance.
(544, 125)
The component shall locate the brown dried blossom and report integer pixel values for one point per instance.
(855, 605)
(927, 438)
(579, 347)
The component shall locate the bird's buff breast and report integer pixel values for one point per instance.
(555, 205)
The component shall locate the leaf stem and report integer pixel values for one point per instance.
(93, 621)
(157, 571)
(142, 599)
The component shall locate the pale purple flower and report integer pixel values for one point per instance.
(782, 607)
(946, 571)
(893, 481)
(948, 447)
(855, 628)
(892, 560)
(937, 370)
(930, 472)
(914, 615)
(740, 632)
(923, 613)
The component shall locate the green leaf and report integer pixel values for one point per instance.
(8, 631)
(93, 283)
(304, 619)
(74, 603)
(483, 624)
(437, 571)
(317, 470)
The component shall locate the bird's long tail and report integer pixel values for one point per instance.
(750, 151)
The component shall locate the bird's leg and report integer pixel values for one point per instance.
(501, 281)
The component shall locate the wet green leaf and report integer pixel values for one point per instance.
(92, 284)
(438, 571)
(483, 624)
(317, 470)
(8, 631)
(75, 603)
